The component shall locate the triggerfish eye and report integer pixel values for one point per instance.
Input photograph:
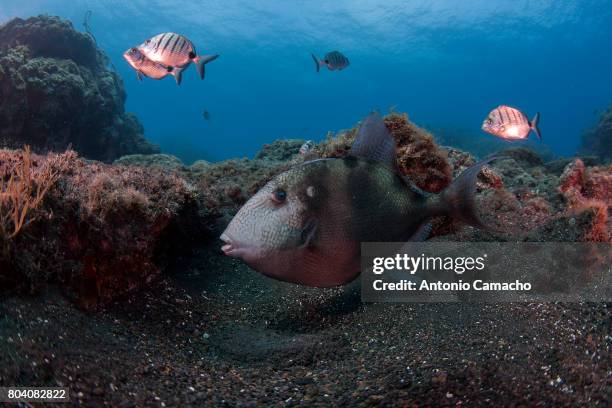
(279, 196)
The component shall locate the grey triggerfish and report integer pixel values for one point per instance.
(333, 60)
(306, 225)
(176, 51)
(510, 123)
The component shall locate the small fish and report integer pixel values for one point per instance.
(174, 50)
(334, 60)
(146, 67)
(306, 225)
(206, 115)
(510, 123)
(307, 147)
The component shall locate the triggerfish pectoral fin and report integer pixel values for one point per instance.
(202, 60)
(534, 125)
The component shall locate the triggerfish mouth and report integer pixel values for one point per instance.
(306, 225)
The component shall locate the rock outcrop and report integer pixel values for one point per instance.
(598, 141)
(56, 91)
(100, 231)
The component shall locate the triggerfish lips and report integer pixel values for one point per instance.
(234, 249)
(228, 248)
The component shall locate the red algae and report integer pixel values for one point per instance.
(589, 188)
(418, 155)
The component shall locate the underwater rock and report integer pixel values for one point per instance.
(558, 165)
(231, 183)
(103, 230)
(418, 155)
(589, 189)
(279, 150)
(598, 141)
(199, 166)
(460, 161)
(524, 156)
(56, 91)
(164, 161)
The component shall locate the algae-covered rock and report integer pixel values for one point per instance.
(231, 182)
(558, 165)
(165, 161)
(56, 91)
(417, 154)
(523, 155)
(280, 149)
(598, 141)
(102, 230)
(199, 166)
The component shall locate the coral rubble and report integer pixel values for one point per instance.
(56, 91)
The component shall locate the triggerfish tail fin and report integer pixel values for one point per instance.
(202, 60)
(317, 63)
(458, 199)
(534, 125)
(178, 74)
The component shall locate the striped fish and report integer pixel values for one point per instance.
(306, 147)
(175, 50)
(333, 60)
(510, 123)
(144, 66)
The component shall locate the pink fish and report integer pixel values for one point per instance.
(174, 50)
(144, 66)
(510, 123)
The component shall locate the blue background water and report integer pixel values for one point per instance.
(445, 62)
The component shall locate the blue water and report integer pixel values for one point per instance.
(446, 63)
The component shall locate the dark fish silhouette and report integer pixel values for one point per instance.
(333, 60)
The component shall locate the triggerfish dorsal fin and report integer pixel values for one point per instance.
(374, 142)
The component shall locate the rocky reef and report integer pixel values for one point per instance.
(177, 323)
(99, 231)
(102, 231)
(56, 91)
(598, 140)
